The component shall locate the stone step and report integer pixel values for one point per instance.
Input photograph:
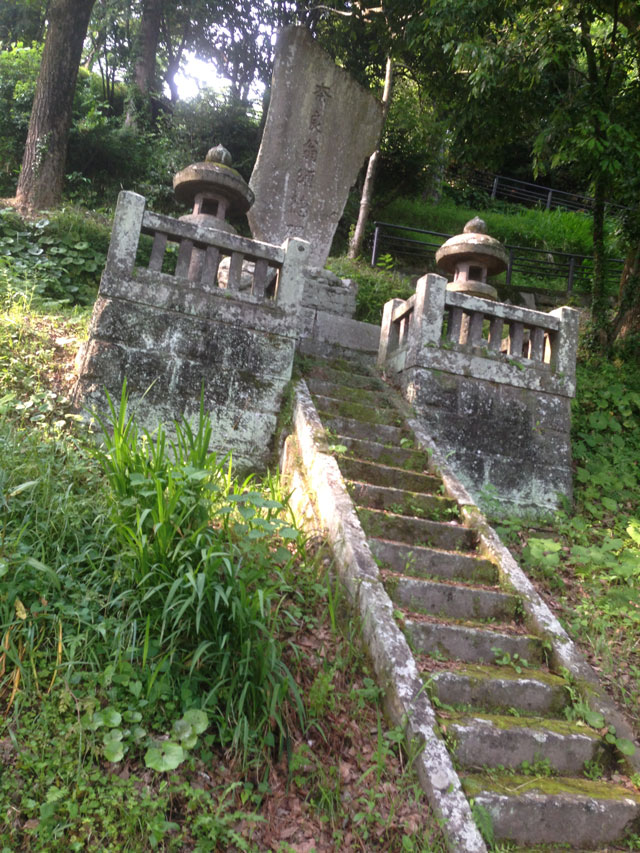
(367, 397)
(499, 688)
(469, 643)
(432, 562)
(384, 475)
(529, 810)
(395, 457)
(452, 601)
(405, 528)
(351, 379)
(359, 429)
(370, 414)
(403, 502)
(499, 741)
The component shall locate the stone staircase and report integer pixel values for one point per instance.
(533, 771)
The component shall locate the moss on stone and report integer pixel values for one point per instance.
(488, 673)
(555, 725)
(514, 784)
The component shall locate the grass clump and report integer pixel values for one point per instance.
(375, 286)
(202, 567)
(562, 230)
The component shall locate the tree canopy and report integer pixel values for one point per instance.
(524, 88)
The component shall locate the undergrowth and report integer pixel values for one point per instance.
(375, 286)
(58, 257)
(565, 231)
(588, 557)
(172, 671)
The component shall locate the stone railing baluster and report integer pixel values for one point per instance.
(157, 251)
(496, 325)
(516, 338)
(184, 258)
(260, 277)
(454, 326)
(476, 323)
(209, 275)
(235, 271)
(536, 344)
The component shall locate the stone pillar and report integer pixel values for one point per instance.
(127, 222)
(428, 315)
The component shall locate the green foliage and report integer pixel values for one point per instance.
(18, 73)
(375, 286)
(202, 565)
(72, 803)
(592, 555)
(59, 258)
(502, 658)
(412, 146)
(562, 230)
(484, 822)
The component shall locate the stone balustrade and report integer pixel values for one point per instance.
(203, 254)
(220, 327)
(491, 384)
(482, 338)
(208, 259)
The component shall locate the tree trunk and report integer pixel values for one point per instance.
(627, 319)
(144, 74)
(355, 246)
(42, 174)
(598, 301)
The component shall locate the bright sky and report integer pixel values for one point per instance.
(198, 75)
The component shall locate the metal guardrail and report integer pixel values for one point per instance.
(523, 192)
(576, 270)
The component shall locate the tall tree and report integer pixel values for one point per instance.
(566, 70)
(42, 173)
(146, 48)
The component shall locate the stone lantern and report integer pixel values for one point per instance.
(471, 257)
(215, 189)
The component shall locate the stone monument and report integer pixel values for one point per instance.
(320, 128)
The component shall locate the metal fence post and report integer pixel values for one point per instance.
(374, 254)
(509, 267)
(572, 268)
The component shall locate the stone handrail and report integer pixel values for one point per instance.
(473, 322)
(453, 330)
(207, 259)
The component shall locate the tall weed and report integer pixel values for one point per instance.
(202, 570)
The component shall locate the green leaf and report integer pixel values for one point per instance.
(594, 719)
(182, 729)
(625, 746)
(114, 751)
(197, 719)
(289, 533)
(166, 756)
